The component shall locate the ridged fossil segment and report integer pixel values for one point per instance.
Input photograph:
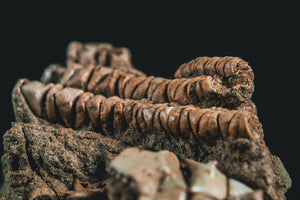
(232, 70)
(83, 115)
(203, 90)
(220, 66)
(109, 115)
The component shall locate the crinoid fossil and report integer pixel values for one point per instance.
(196, 136)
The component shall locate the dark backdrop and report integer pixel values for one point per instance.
(160, 40)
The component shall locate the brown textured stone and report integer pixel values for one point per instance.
(44, 161)
(52, 159)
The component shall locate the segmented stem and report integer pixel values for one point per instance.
(113, 115)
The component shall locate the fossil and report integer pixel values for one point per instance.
(79, 117)
(232, 70)
(100, 54)
(204, 91)
(76, 108)
(221, 66)
(217, 81)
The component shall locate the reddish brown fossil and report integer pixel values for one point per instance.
(110, 115)
(227, 67)
(102, 69)
(89, 53)
(199, 90)
(233, 71)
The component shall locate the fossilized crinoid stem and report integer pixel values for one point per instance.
(233, 71)
(91, 53)
(114, 115)
(99, 54)
(53, 73)
(221, 66)
(115, 82)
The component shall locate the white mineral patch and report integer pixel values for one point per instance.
(237, 188)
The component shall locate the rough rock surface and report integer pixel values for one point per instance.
(52, 159)
(42, 162)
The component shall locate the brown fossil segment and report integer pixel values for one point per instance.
(101, 54)
(206, 82)
(233, 70)
(82, 60)
(53, 73)
(204, 91)
(77, 75)
(114, 115)
(221, 66)
(92, 53)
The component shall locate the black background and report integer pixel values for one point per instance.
(160, 38)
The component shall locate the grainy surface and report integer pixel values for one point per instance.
(51, 159)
